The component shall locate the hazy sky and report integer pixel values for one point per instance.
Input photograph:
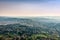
(29, 8)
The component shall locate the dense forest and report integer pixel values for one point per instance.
(29, 29)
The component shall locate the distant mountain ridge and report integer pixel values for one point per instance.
(4, 20)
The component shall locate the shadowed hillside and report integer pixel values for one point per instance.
(30, 28)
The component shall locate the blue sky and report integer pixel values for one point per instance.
(29, 8)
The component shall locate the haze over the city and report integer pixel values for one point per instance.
(16, 8)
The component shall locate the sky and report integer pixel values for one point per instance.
(16, 8)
